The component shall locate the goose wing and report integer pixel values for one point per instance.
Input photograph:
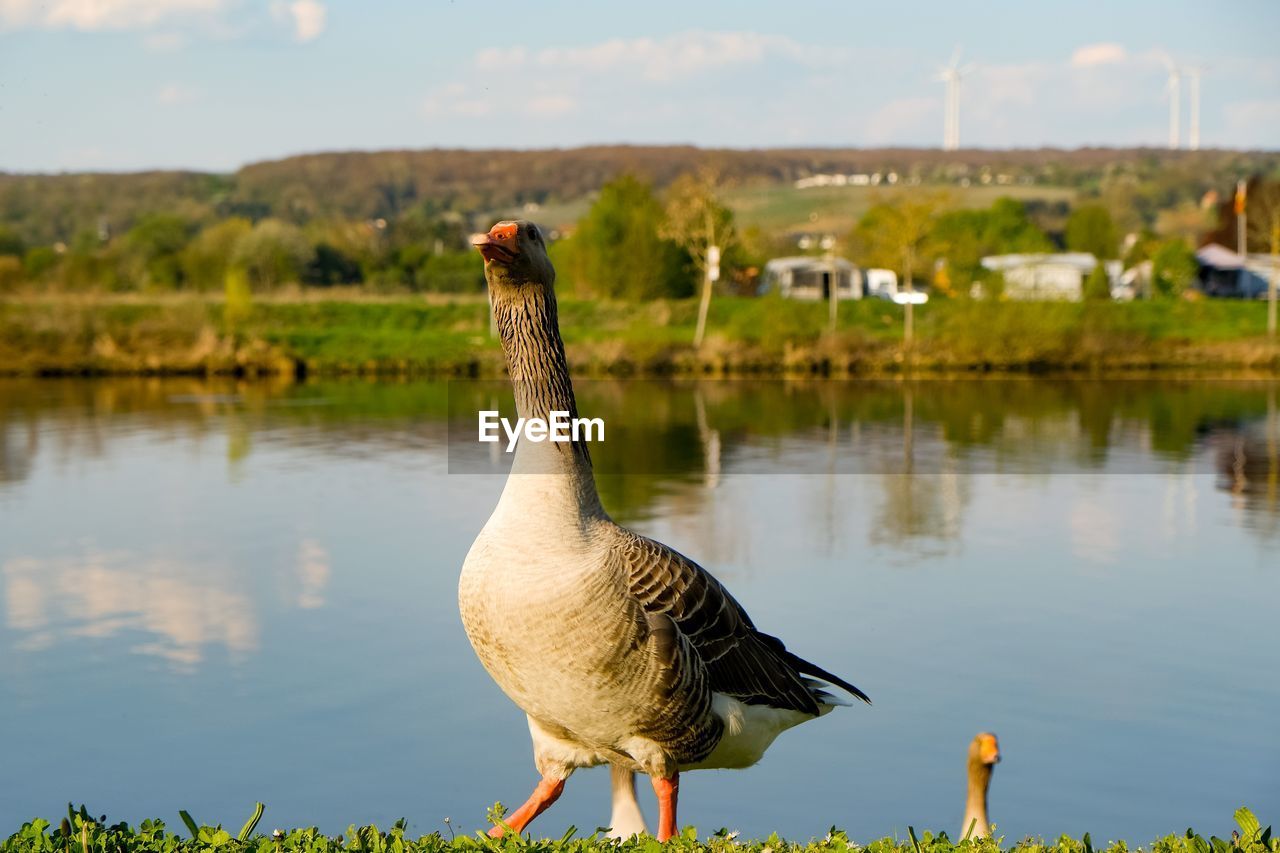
(740, 661)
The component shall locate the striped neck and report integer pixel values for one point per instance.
(527, 323)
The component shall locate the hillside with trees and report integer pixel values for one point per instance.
(397, 221)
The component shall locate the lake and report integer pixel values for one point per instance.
(213, 593)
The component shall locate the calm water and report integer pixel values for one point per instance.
(216, 593)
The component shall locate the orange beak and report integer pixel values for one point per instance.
(989, 749)
(499, 244)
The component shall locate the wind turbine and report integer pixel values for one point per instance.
(1193, 75)
(952, 74)
(1174, 88)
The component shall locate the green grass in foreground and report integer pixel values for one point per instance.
(79, 833)
(767, 335)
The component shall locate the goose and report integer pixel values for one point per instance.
(984, 754)
(619, 650)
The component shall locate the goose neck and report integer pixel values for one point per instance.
(528, 326)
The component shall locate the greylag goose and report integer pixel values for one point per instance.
(984, 754)
(619, 650)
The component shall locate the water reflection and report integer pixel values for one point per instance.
(238, 564)
(154, 602)
(1248, 466)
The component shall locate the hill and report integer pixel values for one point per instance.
(46, 208)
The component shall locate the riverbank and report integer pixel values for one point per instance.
(347, 334)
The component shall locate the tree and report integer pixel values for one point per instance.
(11, 243)
(1263, 222)
(152, 249)
(965, 237)
(1173, 268)
(894, 235)
(1097, 287)
(329, 266)
(696, 221)
(618, 250)
(205, 260)
(10, 273)
(1090, 229)
(272, 254)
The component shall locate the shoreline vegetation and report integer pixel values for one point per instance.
(80, 833)
(348, 334)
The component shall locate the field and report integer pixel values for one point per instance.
(779, 208)
(450, 336)
(835, 210)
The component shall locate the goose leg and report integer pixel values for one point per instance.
(547, 792)
(667, 791)
(626, 819)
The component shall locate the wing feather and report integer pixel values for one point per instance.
(740, 661)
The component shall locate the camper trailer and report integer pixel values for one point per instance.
(811, 279)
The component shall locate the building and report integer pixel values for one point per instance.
(1225, 273)
(810, 279)
(1047, 276)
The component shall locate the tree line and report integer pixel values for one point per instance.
(638, 240)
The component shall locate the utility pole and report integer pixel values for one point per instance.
(1242, 189)
(908, 318)
(833, 277)
(1275, 272)
(710, 274)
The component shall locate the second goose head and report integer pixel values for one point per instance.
(984, 754)
(515, 255)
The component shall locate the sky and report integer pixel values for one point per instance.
(214, 84)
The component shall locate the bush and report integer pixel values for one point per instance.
(204, 261)
(618, 251)
(450, 272)
(272, 254)
(151, 250)
(38, 262)
(1090, 229)
(1173, 268)
(329, 266)
(1097, 287)
(10, 273)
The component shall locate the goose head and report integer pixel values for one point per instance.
(984, 751)
(515, 255)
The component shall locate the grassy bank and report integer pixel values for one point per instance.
(414, 336)
(80, 833)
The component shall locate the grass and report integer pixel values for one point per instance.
(419, 336)
(781, 208)
(80, 833)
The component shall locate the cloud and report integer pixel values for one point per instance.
(457, 99)
(308, 18)
(173, 94)
(904, 118)
(91, 15)
(1015, 83)
(1102, 53)
(661, 59)
(312, 572)
(548, 106)
(164, 42)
